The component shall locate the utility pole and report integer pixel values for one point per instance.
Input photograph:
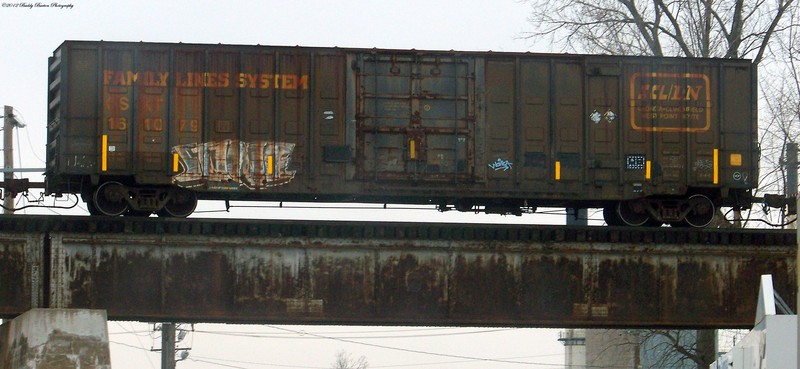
(575, 339)
(8, 151)
(791, 178)
(8, 154)
(167, 346)
(791, 190)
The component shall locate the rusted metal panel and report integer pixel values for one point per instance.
(22, 272)
(370, 280)
(390, 273)
(218, 118)
(501, 131)
(415, 115)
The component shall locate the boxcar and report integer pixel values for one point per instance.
(142, 128)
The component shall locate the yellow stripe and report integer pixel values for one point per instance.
(413, 148)
(269, 165)
(647, 170)
(558, 171)
(104, 154)
(175, 162)
(716, 166)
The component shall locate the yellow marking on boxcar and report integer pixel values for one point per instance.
(652, 97)
(558, 171)
(175, 162)
(736, 160)
(647, 170)
(104, 154)
(412, 147)
(270, 165)
(716, 166)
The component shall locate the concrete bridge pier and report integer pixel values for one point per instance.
(56, 339)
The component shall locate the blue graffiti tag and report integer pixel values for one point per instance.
(505, 165)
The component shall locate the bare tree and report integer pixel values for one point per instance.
(780, 83)
(693, 28)
(678, 348)
(650, 348)
(345, 361)
(764, 30)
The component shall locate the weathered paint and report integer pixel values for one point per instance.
(56, 338)
(232, 165)
(22, 272)
(670, 102)
(496, 130)
(416, 282)
(389, 273)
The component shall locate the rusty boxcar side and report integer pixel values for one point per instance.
(143, 127)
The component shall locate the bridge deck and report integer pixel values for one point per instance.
(390, 273)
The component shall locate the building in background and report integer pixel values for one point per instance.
(771, 344)
(574, 341)
(773, 341)
(625, 348)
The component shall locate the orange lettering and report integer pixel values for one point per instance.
(131, 78)
(118, 79)
(693, 93)
(224, 79)
(107, 75)
(288, 81)
(162, 79)
(265, 80)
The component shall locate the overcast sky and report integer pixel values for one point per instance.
(31, 32)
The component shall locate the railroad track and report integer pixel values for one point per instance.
(393, 230)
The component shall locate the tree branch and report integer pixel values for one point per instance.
(650, 37)
(770, 31)
(678, 34)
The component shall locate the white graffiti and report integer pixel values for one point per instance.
(610, 116)
(501, 164)
(743, 177)
(231, 164)
(703, 165)
(595, 117)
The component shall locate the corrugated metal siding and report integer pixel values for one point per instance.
(407, 125)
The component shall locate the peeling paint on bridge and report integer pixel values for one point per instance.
(329, 280)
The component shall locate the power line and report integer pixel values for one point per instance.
(28, 135)
(207, 360)
(139, 341)
(239, 364)
(417, 351)
(317, 335)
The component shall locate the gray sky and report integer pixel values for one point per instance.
(30, 34)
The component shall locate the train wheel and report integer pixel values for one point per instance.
(681, 224)
(139, 213)
(632, 212)
(109, 199)
(180, 205)
(611, 217)
(653, 223)
(91, 208)
(701, 211)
